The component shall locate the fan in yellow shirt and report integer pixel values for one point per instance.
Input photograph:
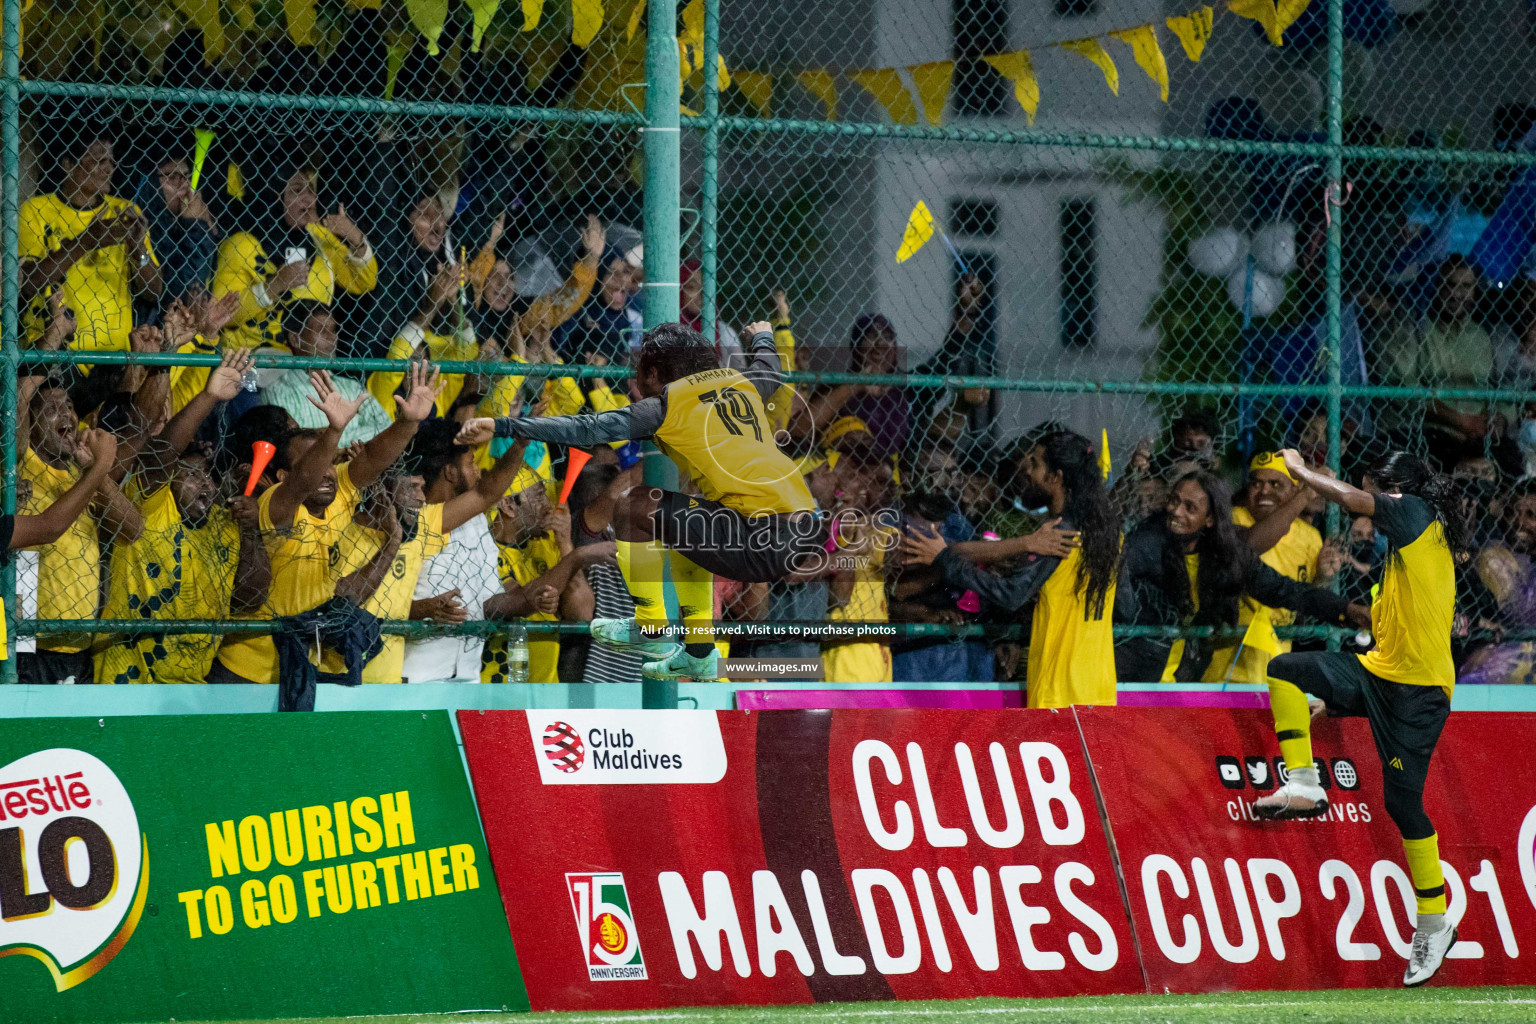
(410, 531)
(531, 539)
(293, 253)
(304, 518)
(91, 245)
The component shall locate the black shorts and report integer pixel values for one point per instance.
(759, 549)
(48, 668)
(1405, 720)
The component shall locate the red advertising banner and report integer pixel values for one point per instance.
(1221, 901)
(674, 858)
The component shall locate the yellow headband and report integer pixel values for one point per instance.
(1271, 461)
(841, 427)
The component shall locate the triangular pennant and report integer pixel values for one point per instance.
(693, 24)
(202, 142)
(300, 15)
(1260, 635)
(919, 230)
(635, 17)
(1020, 70)
(428, 17)
(1193, 30)
(886, 86)
(1104, 464)
(818, 82)
(533, 10)
(1289, 11)
(1275, 18)
(1149, 56)
(757, 87)
(1094, 51)
(586, 21)
(933, 82)
(484, 11)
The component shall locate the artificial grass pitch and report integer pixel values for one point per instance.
(1349, 1006)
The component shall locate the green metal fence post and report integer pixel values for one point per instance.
(663, 199)
(10, 199)
(1335, 253)
(709, 189)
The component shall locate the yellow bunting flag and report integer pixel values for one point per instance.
(242, 12)
(1104, 466)
(1275, 18)
(933, 82)
(684, 65)
(919, 230)
(1149, 56)
(1260, 635)
(365, 5)
(819, 83)
(204, 16)
(533, 10)
(484, 11)
(1094, 51)
(300, 15)
(886, 86)
(1193, 30)
(693, 24)
(1289, 11)
(203, 142)
(586, 21)
(1020, 70)
(635, 17)
(757, 87)
(428, 17)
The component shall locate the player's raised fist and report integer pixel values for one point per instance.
(476, 432)
(761, 327)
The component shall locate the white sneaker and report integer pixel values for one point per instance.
(1432, 939)
(1300, 797)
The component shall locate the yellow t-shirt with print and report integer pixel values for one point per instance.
(440, 348)
(304, 556)
(862, 662)
(170, 572)
(1071, 651)
(392, 600)
(523, 565)
(69, 569)
(1293, 556)
(97, 287)
(243, 264)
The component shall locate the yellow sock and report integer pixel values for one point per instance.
(695, 589)
(1293, 723)
(1424, 868)
(641, 563)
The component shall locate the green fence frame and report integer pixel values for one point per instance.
(662, 125)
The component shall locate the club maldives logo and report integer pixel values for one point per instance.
(563, 747)
(616, 748)
(74, 867)
(606, 924)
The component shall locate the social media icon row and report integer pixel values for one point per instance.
(1263, 773)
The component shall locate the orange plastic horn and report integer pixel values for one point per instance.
(575, 459)
(261, 455)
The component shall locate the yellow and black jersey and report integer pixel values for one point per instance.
(1412, 614)
(96, 287)
(392, 599)
(521, 566)
(712, 424)
(244, 266)
(68, 580)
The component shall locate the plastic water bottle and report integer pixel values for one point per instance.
(517, 655)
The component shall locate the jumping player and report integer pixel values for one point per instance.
(754, 519)
(1402, 686)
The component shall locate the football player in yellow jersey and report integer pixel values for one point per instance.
(1289, 545)
(1070, 573)
(754, 520)
(91, 245)
(1402, 686)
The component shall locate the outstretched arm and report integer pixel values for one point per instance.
(253, 571)
(1270, 530)
(1361, 503)
(766, 370)
(55, 520)
(158, 459)
(421, 384)
(460, 510)
(518, 600)
(584, 430)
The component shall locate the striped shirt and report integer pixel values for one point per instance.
(610, 600)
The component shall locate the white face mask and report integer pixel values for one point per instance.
(1527, 439)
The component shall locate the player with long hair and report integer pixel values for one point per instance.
(754, 520)
(1402, 686)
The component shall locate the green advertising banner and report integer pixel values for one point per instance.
(244, 866)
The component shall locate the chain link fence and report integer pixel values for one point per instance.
(1190, 233)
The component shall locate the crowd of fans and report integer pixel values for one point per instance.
(130, 503)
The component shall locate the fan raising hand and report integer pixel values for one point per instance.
(338, 411)
(421, 386)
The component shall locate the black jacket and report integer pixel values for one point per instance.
(341, 626)
(1142, 600)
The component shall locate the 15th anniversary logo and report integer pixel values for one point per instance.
(74, 867)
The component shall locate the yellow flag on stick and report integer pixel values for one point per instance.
(1149, 55)
(919, 230)
(1020, 70)
(533, 10)
(886, 86)
(1261, 635)
(757, 87)
(586, 21)
(819, 83)
(484, 11)
(1094, 51)
(428, 17)
(204, 141)
(1104, 466)
(242, 12)
(933, 82)
(1193, 30)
